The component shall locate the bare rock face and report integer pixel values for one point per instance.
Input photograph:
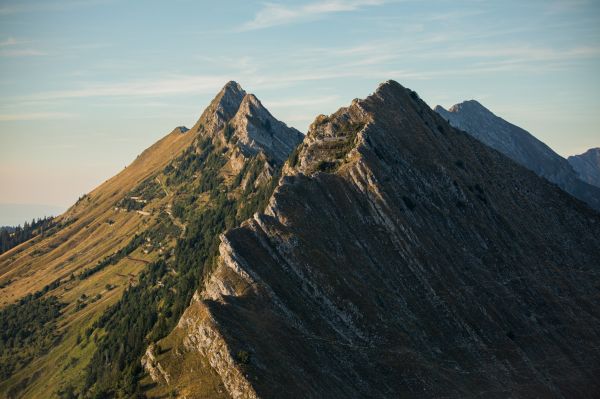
(400, 257)
(587, 166)
(222, 108)
(519, 145)
(154, 369)
(256, 129)
(203, 335)
(239, 119)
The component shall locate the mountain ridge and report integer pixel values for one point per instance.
(383, 254)
(519, 145)
(403, 257)
(587, 166)
(102, 258)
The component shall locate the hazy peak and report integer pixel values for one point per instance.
(468, 105)
(587, 166)
(233, 87)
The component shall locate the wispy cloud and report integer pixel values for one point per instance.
(9, 8)
(8, 42)
(525, 52)
(562, 6)
(34, 116)
(21, 53)
(159, 87)
(369, 60)
(301, 102)
(10, 48)
(273, 14)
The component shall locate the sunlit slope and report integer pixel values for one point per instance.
(87, 261)
(90, 230)
(117, 269)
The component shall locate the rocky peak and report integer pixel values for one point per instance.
(238, 119)
(587, 166)
(468, 105)
(221, 109)
(257, 130)
(465, 107)
(230, 98)
(337, 140)
(395, 236)
(521, 146)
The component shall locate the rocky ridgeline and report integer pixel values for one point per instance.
(587, 166)
(240, 119)
(522, 147)
(400, 257)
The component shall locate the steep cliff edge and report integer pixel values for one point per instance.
(400, 257)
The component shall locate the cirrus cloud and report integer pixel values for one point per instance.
(273, 14)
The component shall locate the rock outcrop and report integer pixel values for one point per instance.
(519, 145)
(587, 166)
(257, 130)
(400, 257)
(244, 122)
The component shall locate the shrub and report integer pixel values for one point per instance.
(326, 166)
(243, 356)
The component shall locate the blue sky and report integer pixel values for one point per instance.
(86, 85)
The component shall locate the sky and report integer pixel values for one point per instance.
(86, 85)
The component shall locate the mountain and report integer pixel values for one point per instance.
(384, 254)
(81, 300)
(397, 257)
(587, 166)
(520, 146)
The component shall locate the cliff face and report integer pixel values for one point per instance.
(520, 146)
(257, 130)
(587, 166)
(400, 257)
(234, 114)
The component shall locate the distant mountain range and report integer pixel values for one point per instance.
(522, 147)
(587, 166)
(385, 254)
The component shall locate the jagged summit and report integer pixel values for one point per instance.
(587, 166)
(239, 119)
(465, 105)
(336, 140)
(230, 98)
(256, 129)
(222, 108)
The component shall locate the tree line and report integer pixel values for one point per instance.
(10, 237)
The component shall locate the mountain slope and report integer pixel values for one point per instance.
(399, 257)
(521, 146)
(587, 166)
(125, 259)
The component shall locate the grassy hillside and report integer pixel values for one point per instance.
(122, 263)
(94, 252)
